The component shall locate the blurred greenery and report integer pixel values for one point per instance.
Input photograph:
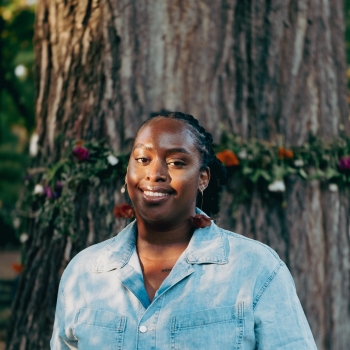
(16, 106)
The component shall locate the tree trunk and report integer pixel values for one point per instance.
(267, 69)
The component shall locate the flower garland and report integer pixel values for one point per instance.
(51, 192)
(268, 164)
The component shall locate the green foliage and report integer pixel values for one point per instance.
(268, 162)
(17, 50)
(16, 104)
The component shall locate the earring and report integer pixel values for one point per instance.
(123, 189)
(201, 191)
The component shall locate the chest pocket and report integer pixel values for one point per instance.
(99, 329)
(219, 328)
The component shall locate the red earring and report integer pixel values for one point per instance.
(123, 211)
(200, 221)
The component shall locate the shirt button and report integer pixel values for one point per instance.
(143, 329)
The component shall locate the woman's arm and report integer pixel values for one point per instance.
(279, 319)
(59, 340)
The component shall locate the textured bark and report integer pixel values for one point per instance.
(268, 69)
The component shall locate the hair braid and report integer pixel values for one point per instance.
(203, 142)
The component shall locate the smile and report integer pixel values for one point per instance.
(155, 194)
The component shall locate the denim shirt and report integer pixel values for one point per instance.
(225, 292)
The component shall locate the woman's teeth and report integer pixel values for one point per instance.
(155, 194)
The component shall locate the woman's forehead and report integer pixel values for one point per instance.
(160, 127)
(163, 132)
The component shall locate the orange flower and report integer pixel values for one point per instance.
(18, 267)
(285, 153)
(79, 143)
(123, 211)
(228, 158)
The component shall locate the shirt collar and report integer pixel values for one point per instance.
(207, 245)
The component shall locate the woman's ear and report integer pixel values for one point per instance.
(126, 174)
(204, 178)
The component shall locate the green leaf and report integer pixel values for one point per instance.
(53, 172)
(266, 175)
(279, 172)
(246, 170)
(331, 173)
(303, 174)
(255, 176)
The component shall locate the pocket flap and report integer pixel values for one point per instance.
(101, 318)
(205, 317)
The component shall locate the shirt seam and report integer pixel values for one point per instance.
(64, 310)
(266, 285)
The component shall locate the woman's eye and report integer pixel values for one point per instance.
(176, 163)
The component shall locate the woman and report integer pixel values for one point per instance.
(162, 283)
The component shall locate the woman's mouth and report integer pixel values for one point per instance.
(155, 196)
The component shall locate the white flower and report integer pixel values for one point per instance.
(112, 160)
(277, 186)
(38, 189)
(16, 223)
(33, 145)
(23, 237)
(299, 162)
(21, 71)
(242, 154)
(333, 187)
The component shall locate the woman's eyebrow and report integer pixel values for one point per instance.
(141, 145)
(167, 152)
(177, 150)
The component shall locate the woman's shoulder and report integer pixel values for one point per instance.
(86, 259)
(245, 248)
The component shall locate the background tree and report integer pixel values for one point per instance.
(272, 70)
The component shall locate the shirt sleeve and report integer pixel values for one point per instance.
(59, 339)
(279, 320)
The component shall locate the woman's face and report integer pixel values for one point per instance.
(164, 176)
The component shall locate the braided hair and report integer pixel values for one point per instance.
(203, 143)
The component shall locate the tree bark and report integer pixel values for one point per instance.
(267, 69)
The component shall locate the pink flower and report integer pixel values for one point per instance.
(48, 192)
(344, 163)
(55, 193)
(81, 153)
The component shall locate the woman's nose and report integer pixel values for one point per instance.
(157, 171)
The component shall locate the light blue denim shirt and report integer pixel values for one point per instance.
(225, 292)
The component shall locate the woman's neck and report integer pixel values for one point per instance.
(160, 237)
(158, 249)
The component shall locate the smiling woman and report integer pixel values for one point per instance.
(163, 282)
(165, 173)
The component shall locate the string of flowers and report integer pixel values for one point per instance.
(268, 164)
(51, 192)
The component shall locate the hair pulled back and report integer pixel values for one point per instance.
(203, 143)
